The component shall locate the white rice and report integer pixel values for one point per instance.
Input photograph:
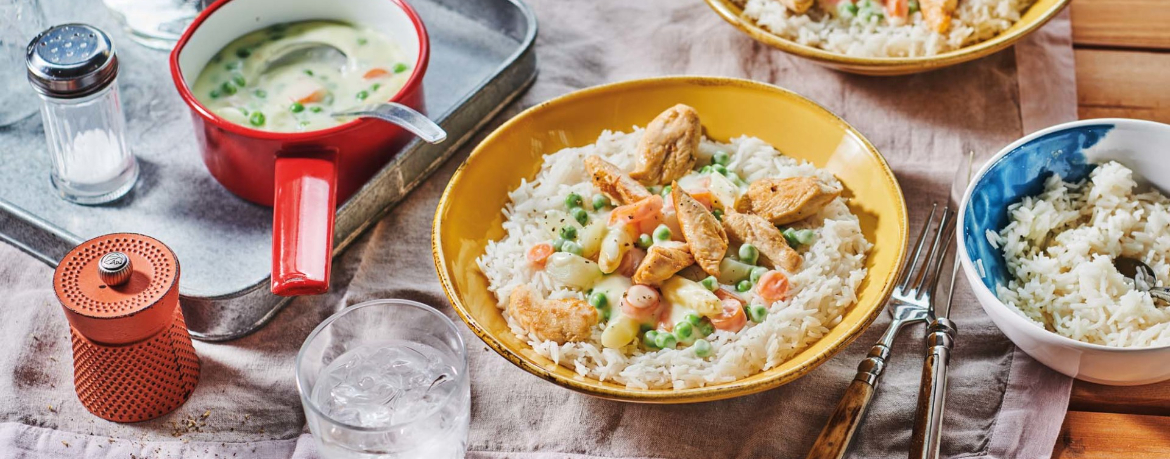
(1060, 248)
(820, 292)
(973, 21)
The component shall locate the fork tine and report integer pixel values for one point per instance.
(950, 235)
(907, 273)
(933, 265)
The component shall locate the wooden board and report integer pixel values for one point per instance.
(1123, 70)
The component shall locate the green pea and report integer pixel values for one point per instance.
(665, 341)
(573, 201)
(847, 9)
(600, 201)
(705, 170)
(315, 109)
(693, 319)
(805, 236)
(303, 124)
(654, 189)
(605, 315)
(375, 87)
(721, 169)
(749, 254)
(706, 327)
(702, 348)
(684, 330)
(400, 67)
(644, 241)
(598, 300)
(260, 93)
(572, 247)
(743, 285)
(239, 80)
(256, 119)
(569, 232)
(757, 272)
(914, 7)
(662, 233)
(558, 244)
(718, 213)
(243, 53)
(666, 190)
(362, 95)
(710, 283)
(232, 65)
(757, 313)
(579, 214)
(721, 158)
(214, 94)
(308, 72)
(296, 107)
(362, 41)
(650, 339)
(227, 88)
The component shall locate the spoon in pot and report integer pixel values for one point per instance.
(1143, 277)
(392, 112)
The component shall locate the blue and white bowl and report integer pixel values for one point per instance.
(1071, 151)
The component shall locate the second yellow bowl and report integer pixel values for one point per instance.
(469, 212)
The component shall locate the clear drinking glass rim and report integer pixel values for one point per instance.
(365, 304)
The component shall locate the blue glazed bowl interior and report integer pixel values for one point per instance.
(1018, 173)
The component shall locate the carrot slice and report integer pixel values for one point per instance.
(773, 286)
(375, 73)
(732, 318)
(643, 215)
(315, 96)
(539, 253)
(898, 8)
(706, 198)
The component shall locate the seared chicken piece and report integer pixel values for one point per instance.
(561, 320)
(702, 231)
(797, 6)
(669, 146)
(783, 201)
(663, 260)
(938, 13)
(613, 182)
(755, 230)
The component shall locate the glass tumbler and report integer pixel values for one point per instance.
(156, 24)
(20, 20)
(386, 379)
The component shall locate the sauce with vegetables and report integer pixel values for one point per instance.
(302, 94)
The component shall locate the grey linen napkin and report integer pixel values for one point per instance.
(1002, 403)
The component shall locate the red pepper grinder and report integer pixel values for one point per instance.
(132, 355)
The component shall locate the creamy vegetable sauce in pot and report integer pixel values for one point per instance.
(302, 93)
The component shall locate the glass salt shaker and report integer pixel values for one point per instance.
(74, 69)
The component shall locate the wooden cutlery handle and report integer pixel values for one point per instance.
(834, 439)
(926, 439)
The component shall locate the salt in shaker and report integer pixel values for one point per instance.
(74, 69)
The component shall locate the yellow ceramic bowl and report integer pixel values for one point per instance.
(469, 210)
(1037, 15)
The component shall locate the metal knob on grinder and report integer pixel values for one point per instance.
(132, 356)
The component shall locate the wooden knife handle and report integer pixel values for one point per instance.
(837, 434)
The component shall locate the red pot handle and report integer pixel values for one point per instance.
(302, 224)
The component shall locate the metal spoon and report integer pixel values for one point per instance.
(1143, 277)
(401, 115)
(306, 51)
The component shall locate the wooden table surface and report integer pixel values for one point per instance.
(1123, 70)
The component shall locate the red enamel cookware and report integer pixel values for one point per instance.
(303, 174)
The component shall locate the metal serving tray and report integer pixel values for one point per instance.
(481, 59)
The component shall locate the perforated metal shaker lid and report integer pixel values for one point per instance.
(118, 288)
(71, 60)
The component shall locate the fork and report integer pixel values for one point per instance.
(909, 304)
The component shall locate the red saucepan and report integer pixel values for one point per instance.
(303, 175)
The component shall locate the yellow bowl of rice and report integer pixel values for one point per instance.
(470, 222)
(865, 37)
